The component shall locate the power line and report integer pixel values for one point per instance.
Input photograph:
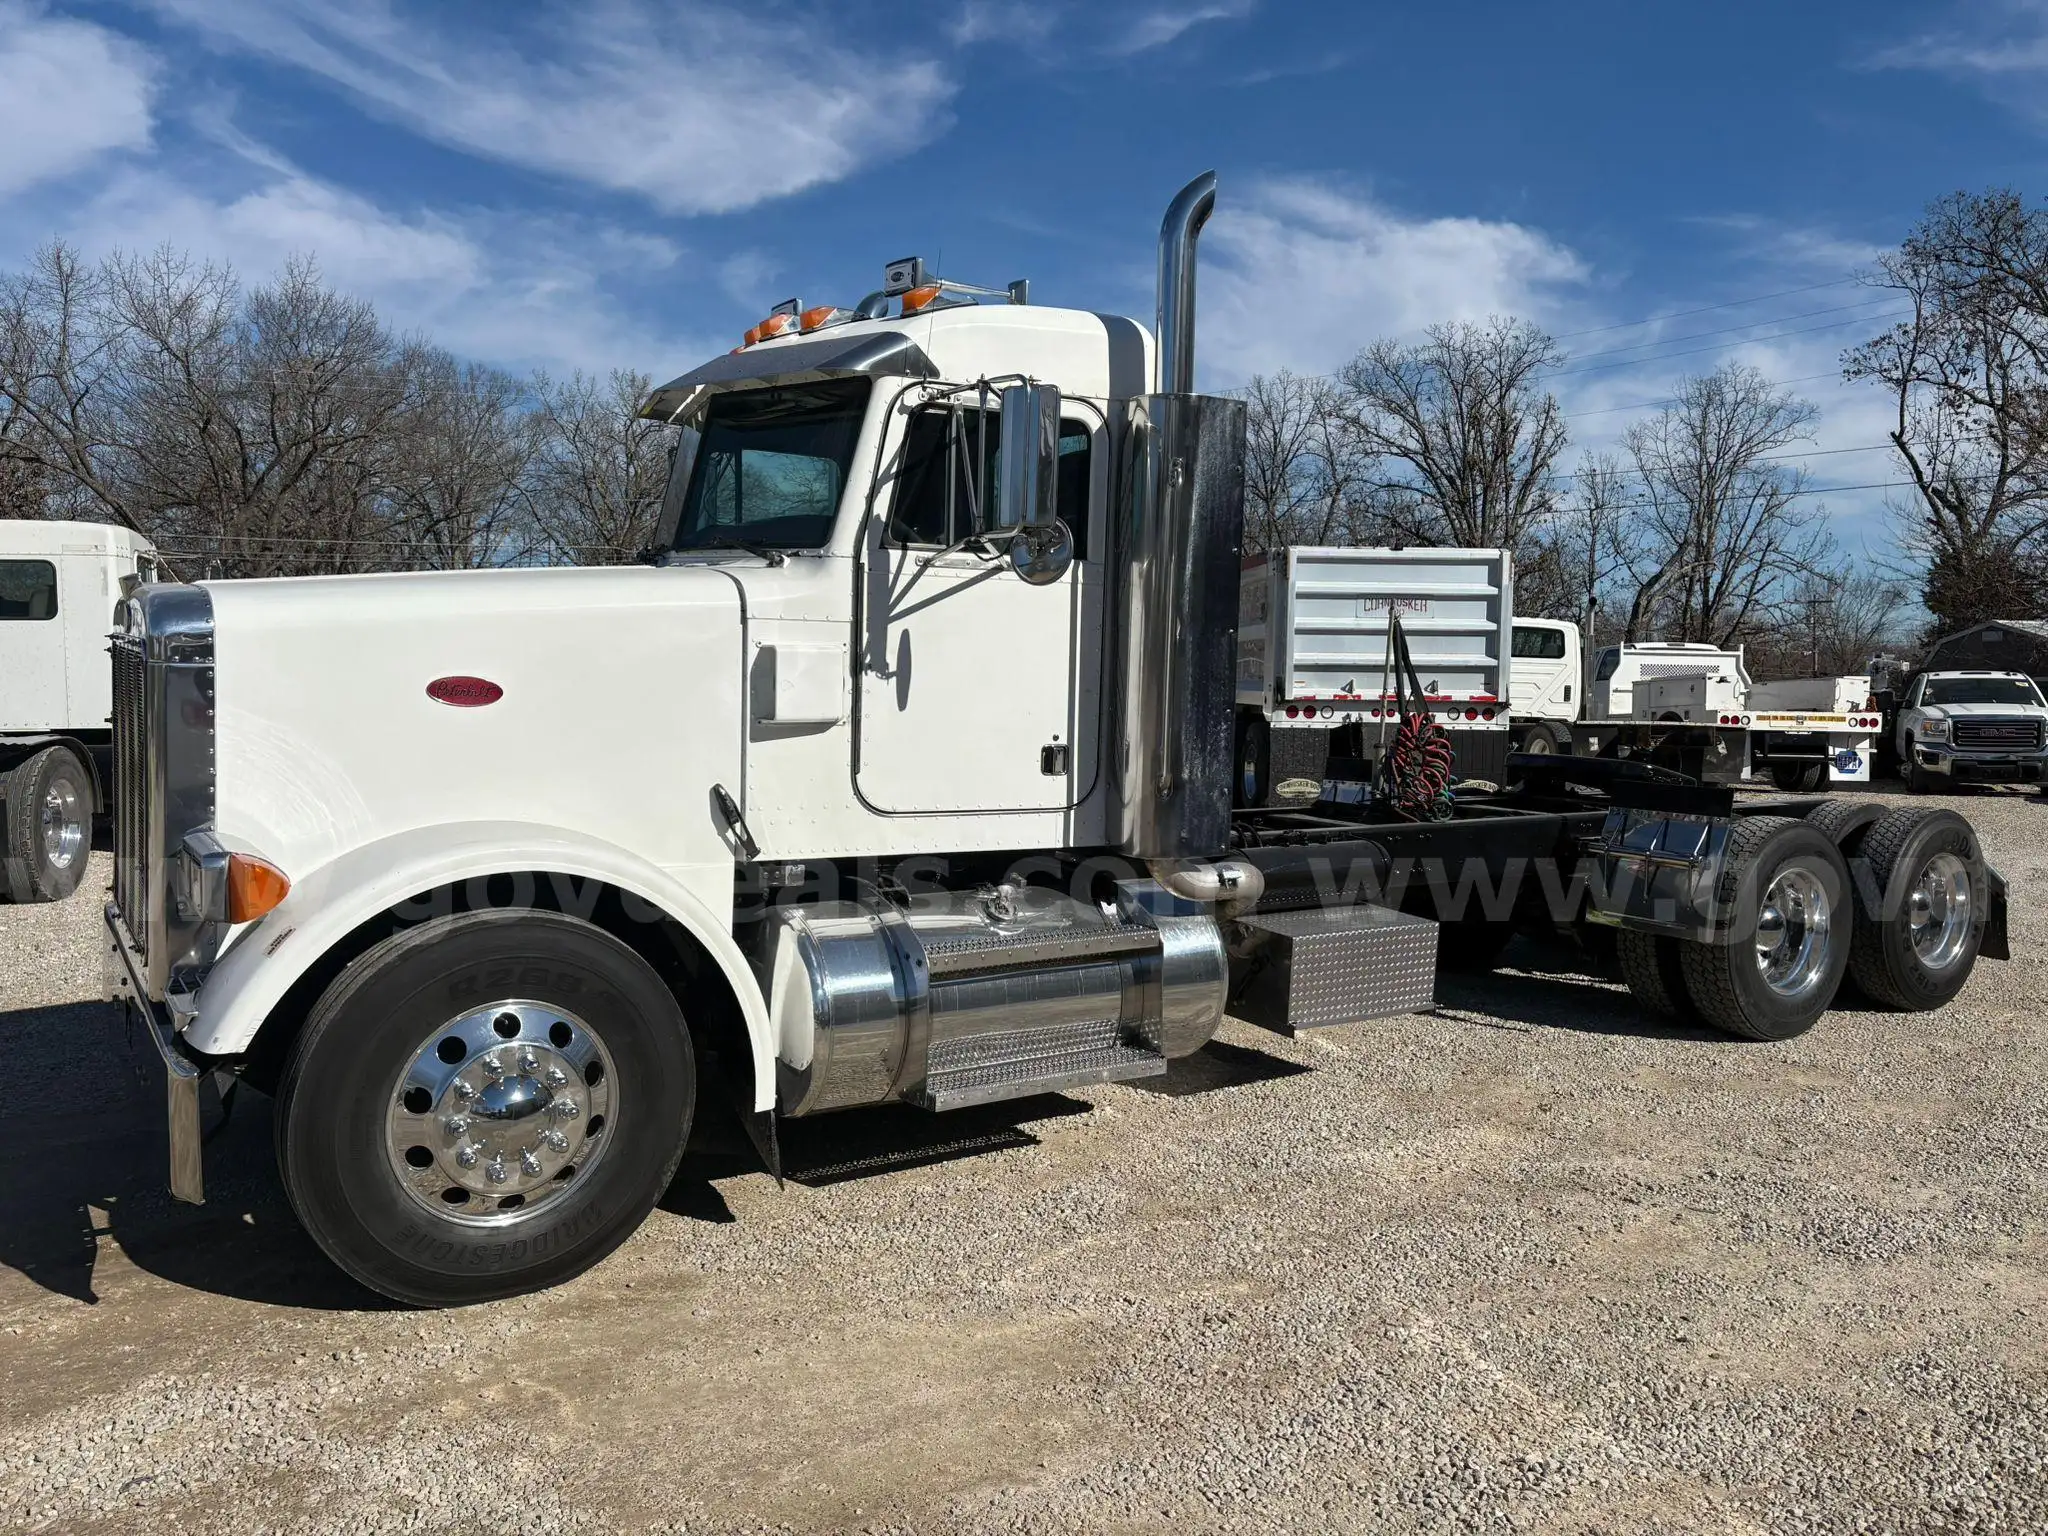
(1644, 362)
(1644, 405)
(1808, 314)
(1680, 314)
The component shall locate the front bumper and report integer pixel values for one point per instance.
(182, 1075)
(1980, 767)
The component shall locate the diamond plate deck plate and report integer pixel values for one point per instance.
(980, 1069)
(1336, 965)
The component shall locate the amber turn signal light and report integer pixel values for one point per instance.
(255, 886)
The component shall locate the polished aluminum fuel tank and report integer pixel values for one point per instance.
(959, 998)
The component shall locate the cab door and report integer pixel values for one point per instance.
(978, 691)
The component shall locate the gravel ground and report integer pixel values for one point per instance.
(1525, 1262)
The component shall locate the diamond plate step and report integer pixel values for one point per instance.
(1010, 1064)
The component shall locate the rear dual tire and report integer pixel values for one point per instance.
(438, 1122)
(1921, 909)
(1786, 887)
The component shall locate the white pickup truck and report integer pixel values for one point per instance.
(59, 584)
(1972, 728)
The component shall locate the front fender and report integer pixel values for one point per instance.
(326, 904)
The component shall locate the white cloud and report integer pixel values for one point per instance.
(999, 21)
(1165, 24)
(524, 291)
(1297, 271)
(698, 108)
(69, 92)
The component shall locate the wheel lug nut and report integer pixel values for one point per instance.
(464, 1090)
(554, 1139)
(493, 1067)
(528, 1062)
(529, 1164)
(456, 1125)
(556, 1077)
(564, 1109)
(497, 1172)
(465, 1156)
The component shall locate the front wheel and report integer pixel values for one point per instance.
(48, 826)
(1545, 738)
(484, 1105)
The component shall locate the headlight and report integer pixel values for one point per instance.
(1933, 730)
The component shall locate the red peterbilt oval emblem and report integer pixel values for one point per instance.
(465, 692)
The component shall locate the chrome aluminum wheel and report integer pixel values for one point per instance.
(63, 824)
(499, 1111)
(1793, 933)
(1539, 744)
(1938, 911)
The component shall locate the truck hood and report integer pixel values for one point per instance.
(607, 692)
(1983, 711)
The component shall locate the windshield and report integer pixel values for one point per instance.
(1980, 690)
(769, 465)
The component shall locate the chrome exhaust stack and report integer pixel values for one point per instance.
(1172, 696)
(1175, 331)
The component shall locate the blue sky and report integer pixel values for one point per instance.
(629, 183)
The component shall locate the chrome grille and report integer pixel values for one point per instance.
(131, 786)
(1998, 735)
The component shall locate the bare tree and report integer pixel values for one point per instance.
(1723, 527)
(600, 470)
(1579, 564)
(461, 483)
(1967, 371)
(1830, 625)
(1463, 422)
(1307, 472)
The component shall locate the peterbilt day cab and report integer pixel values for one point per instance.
(59, 583)
(903, 774)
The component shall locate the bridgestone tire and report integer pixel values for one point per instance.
(1724, 981)
(1895, 853)
(1650, 964)
(31, 873)
(1253, 769)
(345, 1070)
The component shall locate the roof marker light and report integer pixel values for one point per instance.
(918, 300)
(823, 316)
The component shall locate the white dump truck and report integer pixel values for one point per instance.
(1691, 706)
(1313, 626)
(903, 775)
(59, 584)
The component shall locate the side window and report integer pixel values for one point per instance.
(28, 590)
(1610, 660)
(920, 515)
(1534, 644)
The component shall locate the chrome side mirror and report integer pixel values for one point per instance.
(1028, 480)
(1028, 463)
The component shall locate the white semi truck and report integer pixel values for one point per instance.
(1689, 705)
(904, 775)
(59, 585)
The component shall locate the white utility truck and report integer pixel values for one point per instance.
(59, 584)
(1972, 728)
(920, 735)
(1313, 654)
(1688, 705)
